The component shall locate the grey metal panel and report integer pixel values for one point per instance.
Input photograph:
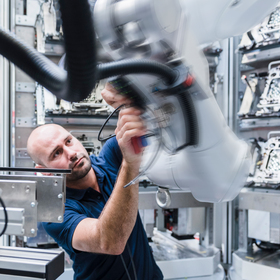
(22, 134)
(27, 34)
(254, 123)
(16, 220)
(20, 76)
(20, 162)
(47, 262)
(14, 277)
(19, 7)
(255, 265)
(179, 199)
(22, 153)
(21, 194)
(25, 87)
(50, 196)
(4, 91)
(25, 122)
(262, 201)
(25, 105)
(25, 20)
(80, 121)
(258, 55)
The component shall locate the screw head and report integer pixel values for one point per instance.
(59, 218)
(60, 196)
(32, 231)
(32, 204)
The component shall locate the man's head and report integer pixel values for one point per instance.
(51, 146)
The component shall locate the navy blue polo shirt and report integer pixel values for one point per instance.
(81, 204)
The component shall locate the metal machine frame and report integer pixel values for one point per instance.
(202, 259)
(248, 263)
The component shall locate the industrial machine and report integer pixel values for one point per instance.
(194, 130)
(25, 201)
(256, 242)
(259, 216)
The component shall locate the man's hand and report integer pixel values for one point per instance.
(112, 97)
(130, 125)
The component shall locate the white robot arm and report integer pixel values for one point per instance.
(206, 156)
(201, 153)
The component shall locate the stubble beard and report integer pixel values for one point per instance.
(80, 171)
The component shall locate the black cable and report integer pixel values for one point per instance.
(104, 124)
(132, 262)
(6, 217)
(147, 135)
(136, 66)
(125, 267)
(266, 245)
(82, 69)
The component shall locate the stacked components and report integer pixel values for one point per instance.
(264, 34)
(265, 170)
(269, 103)
(262, 94)
(258, 251)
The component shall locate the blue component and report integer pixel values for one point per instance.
(144, 141)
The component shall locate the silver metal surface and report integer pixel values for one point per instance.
(179, 199)
(190, 221)
(80, 121)
(21, 261)
(25, 20)
(260, 200)
(15, 220)
(255, 265)
(4, 95)
(21, 194)
(40, 105)
(264, 226)
(260, 55)
(50, 206)
(25, 87)
(184, 258)
(163, 197)
(22, 153)
(248, 124)
(25, 122)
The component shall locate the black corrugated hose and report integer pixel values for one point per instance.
(82, 71)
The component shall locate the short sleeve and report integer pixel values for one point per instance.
(111, 153)
(63, 232)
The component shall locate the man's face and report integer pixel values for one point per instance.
(59, 149)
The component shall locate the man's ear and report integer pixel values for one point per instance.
(41, 166)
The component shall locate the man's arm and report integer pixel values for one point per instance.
(109, 233)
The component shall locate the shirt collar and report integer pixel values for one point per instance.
(75, 193)
(79, 194)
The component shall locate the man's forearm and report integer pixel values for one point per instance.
(119, 215)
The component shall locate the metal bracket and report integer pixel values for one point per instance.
(25, 20)
(51, 195)
(25, 87)
(21, 194)
(16, 220)
(25, 122)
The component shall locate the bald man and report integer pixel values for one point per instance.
(102, 230)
